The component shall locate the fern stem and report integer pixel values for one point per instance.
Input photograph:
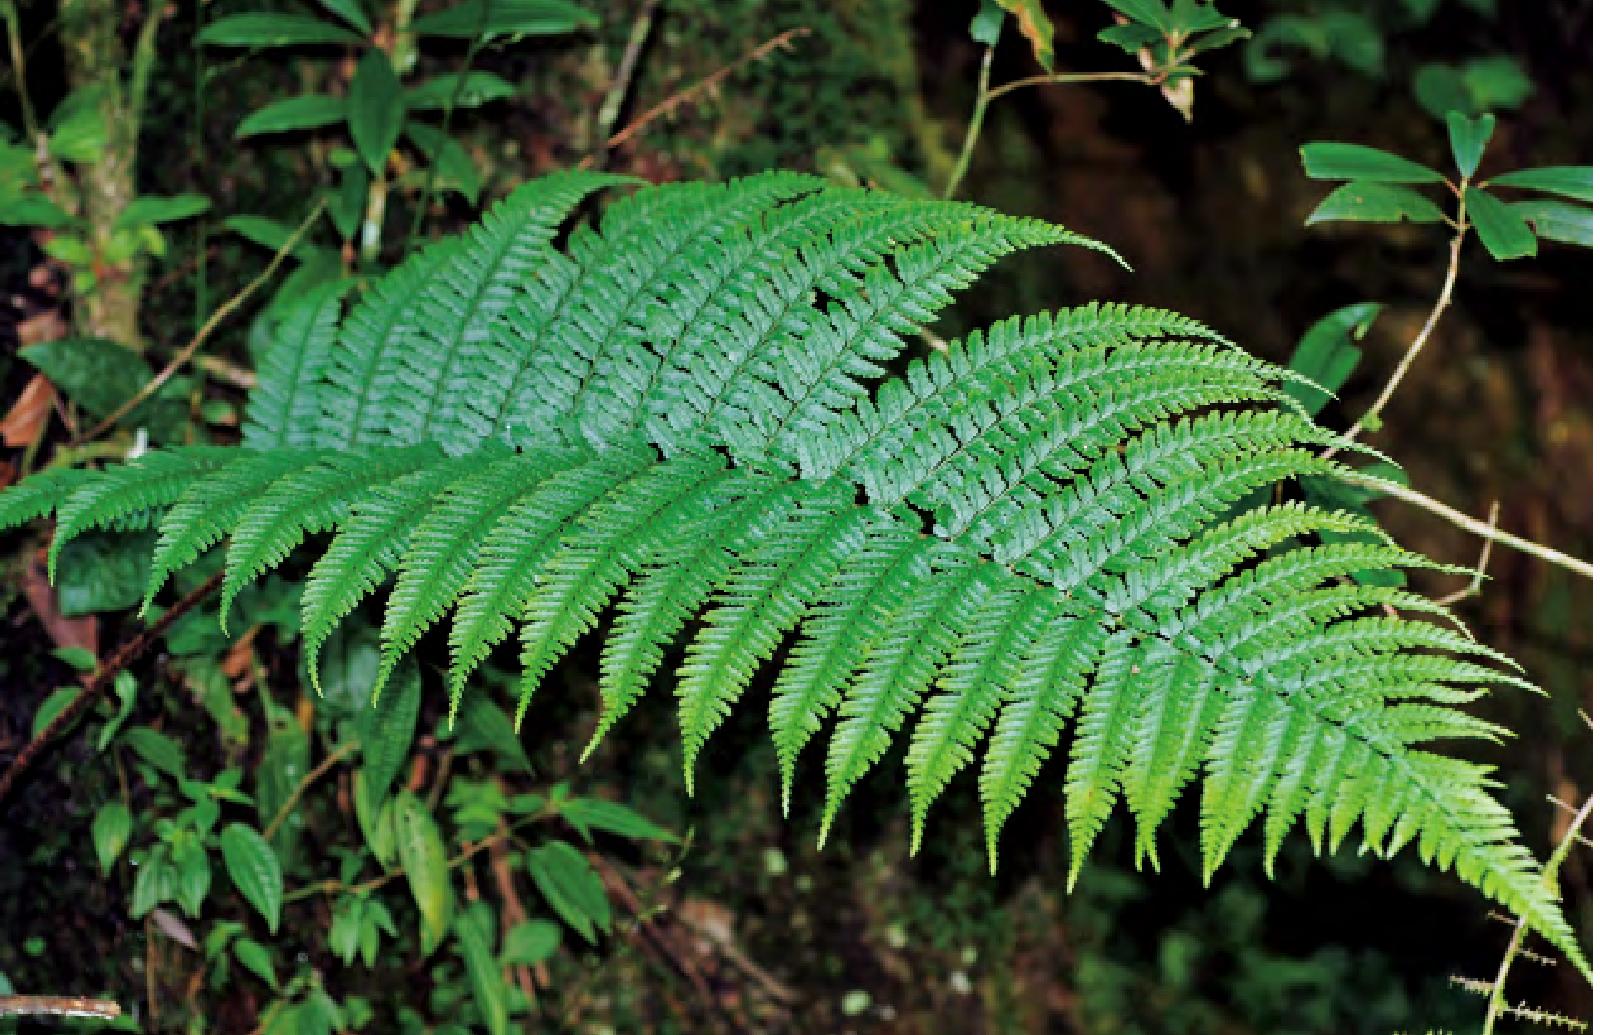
(102, 677)
(1467, 521)
(987, 95)
(335, 756)
(1552, 868)
(974, 125)
(223, 312)
(1440, 304)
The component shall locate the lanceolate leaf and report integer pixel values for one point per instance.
(377, 108)
(1370, 202)
(1499, 227)
(1334, 161)
(1080, 535)
(422, 857)
(274, 30)
(1568, 181)
(253, 867)
(1558, 221)
(312, 111)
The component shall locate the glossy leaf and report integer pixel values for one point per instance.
(1568, 181)
(253, 867)
(377, 109)
(1335, 161)
(491, 18)
(1499, 227)
(422, 857)
(274, 30)
(476, 88)
(1327, 355)
(1554, 221)
(311, 111)
(571, 887)
(1468, 138)
(110, 831)
(1369, 202)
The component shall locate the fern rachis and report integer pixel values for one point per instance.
(1037, 540)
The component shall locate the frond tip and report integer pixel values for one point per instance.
(1049, 538)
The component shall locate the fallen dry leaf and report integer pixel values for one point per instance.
(25, 423)
(63, 631)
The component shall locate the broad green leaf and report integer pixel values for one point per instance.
(110, 830)
(32, 209)
(351, 12)
(157, 749)
(100, 375)
(78, 131)
(268, 233)
(530, 942)
(312, 111)
(253, 867)
(285, 762)
(484, 724)
(191, 867)
(1503, 232)
(492, 18)
(489, 989)
(155, 882)
(1569, 181)
(1335, 161)
(1036, 27)
(1468, 138)
(53, 706)
(571, 887)
(386, 729)
(1145, 12)
(422, 857)
(377, 109)
(476, 89)
(103, 571)
(375, 818)
(987, 23)
(1327, 355)
(453, 167)
(151, 210)
(1368, 202)
(1552, 220)
(1130, 36)
(589, 814)
(273, 30)
(255, 958)
(1494, 83)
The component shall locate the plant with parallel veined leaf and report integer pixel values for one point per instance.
(686, 420)
(1383, 188)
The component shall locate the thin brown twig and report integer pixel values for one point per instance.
(58, 1006)
(706, 85)
(222, 312)
(1440, 304)
(101, 678)
(335, 756)
(611, 107)
(1466, 521)
(1479, 573)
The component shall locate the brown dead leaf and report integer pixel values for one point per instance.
(63, 631)
(25, 423)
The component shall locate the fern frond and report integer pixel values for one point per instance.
(1040, 541)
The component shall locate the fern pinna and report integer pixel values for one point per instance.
(685, 420)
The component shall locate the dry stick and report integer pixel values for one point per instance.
(223, 311)
(1497, 1003)
(1440, 304)
(1466, 521)
(611, 107)
(103, 675)
(709, 83)
(57, 1006)
(986, 95)
(1472, 588)
(335, 756)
